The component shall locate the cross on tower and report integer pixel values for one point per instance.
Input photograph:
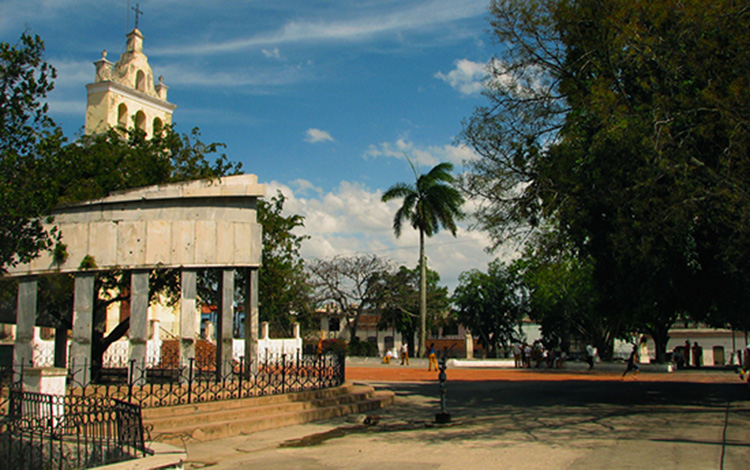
(138, 12)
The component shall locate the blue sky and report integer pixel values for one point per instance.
(320, 99)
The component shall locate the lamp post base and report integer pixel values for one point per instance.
(442, 418)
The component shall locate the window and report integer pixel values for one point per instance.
(334, 324)
(140, 81)
(122, 116)
(140, 120)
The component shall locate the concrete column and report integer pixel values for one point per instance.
(225, 320)
(83, 317)
(188, 316)
(251, 320)
(61, 348)
(138, 330)
(469, 345)
(23, 350)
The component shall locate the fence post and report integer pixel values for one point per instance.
(283, 372)
(190, 380)
(342, 367)
(131, 376)
(242, 374)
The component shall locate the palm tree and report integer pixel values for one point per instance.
(429, 204)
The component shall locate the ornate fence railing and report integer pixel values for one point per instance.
(62, 432)
(100, 421)
(156, 385)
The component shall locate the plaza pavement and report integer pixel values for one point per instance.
(516, 419)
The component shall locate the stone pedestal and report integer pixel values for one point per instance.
(48, 380)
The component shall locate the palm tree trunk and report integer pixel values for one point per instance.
(422, 296)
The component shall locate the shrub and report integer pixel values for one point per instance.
(334, 345)
(362, 348)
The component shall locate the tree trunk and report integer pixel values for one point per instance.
(661, 338)
(422, 296)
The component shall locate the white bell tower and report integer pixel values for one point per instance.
(124, 95)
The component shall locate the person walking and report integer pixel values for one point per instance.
(590, 355)
(632, 363)
(404, 354)
(433, 358)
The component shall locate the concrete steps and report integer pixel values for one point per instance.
(218, 419)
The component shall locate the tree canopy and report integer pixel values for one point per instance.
(284, 293)
(491, 305)
(29, 141)
(624, 125)
(397, 295)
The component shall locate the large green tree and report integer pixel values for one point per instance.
(285, 293)
(431, 202)
(562, 297)
(624, 124)
(397, 300)
(491, 304)
(29, 141)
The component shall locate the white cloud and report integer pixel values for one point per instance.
(352, 219)
(315, 136)
(467, 78)
(272, 53)
(351, 25)
(424, 156)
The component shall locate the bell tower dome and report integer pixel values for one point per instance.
(124, 95)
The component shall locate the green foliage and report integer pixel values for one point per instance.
(96, 166)
(624, 125)
(397, 298)
(60, 253)
(334, 345)
(562, 297)
(29, 141)
(428, 204)
(361, 349)
(284, 290)
(88, 262)
(491, 305)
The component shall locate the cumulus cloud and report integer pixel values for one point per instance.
(315, 136)
(467, 78)
(351, 219)
(425, 156)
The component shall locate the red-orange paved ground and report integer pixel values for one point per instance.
(396, 373)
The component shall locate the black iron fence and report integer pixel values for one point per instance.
(99, 421)
(155, 385)
(62, 432)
